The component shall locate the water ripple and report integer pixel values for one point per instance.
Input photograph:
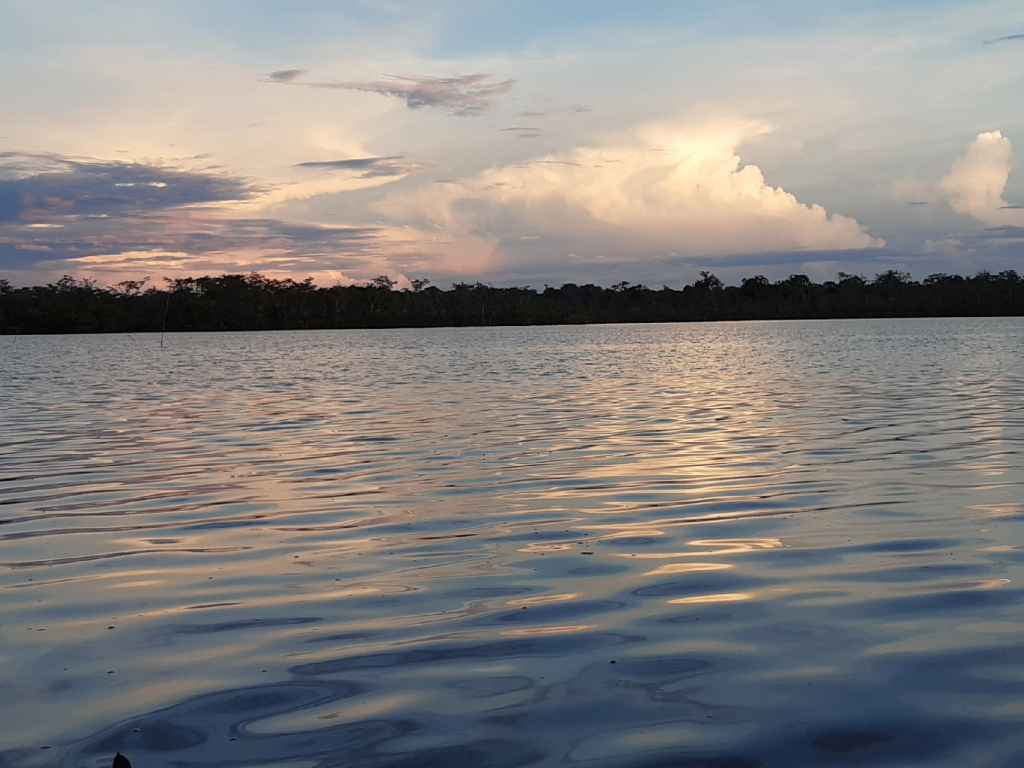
(715, 546)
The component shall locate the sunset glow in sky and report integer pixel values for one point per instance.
(515, 143)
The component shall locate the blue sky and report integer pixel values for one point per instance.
(512, 143)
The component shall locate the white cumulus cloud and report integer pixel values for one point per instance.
(976, 182)
(655, 192)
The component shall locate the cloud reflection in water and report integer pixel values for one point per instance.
(436, 543)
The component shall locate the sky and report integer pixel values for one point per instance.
(511, 143)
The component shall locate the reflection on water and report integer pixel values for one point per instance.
(730, 545)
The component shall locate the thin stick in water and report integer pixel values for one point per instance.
(167, 306)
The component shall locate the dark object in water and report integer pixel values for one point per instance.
(120, 761)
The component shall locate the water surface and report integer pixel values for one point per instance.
(721, 545)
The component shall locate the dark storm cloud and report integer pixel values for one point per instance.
(59, 209)
(41, 188)
(373, 167)
(462, 94)
(191, 233)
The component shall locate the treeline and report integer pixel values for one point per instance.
(254, 302)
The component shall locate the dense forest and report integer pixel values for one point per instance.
(254, 302)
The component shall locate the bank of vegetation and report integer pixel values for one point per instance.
(255, 302)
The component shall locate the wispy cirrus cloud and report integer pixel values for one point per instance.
(463, 95)
(1004, 39)
(344, 175)
(372, 167)
(523, 132)
(566, 109)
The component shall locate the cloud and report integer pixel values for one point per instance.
(654, 193)
(190, 245)
(975, 183)
(523, 132)
(464, 95)
(568, 109)
(286, 75)
(115, 220)
(47, 187)
(991, 248)
(61, 215)
(1004, 39)
(948, 245)
(373, 167)
(74, 212)
(345, 175)
(193, 232)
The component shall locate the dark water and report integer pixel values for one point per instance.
(718, 546)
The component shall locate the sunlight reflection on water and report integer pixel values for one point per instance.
(758, 544)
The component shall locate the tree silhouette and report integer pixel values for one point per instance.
(256, 302)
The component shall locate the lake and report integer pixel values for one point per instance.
(708, 545)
